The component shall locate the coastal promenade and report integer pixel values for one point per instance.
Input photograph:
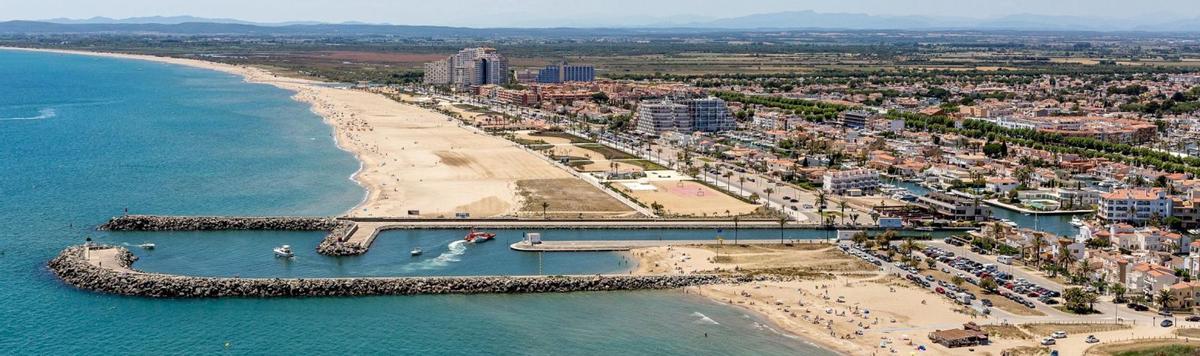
(609, 245)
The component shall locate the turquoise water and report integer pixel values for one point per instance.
(83, 138)
(231, 253)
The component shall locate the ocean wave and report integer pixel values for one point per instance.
(42, 115)
(704, 319)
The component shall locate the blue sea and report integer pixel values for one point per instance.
(85, 138)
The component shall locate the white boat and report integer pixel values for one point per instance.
(416, 251)
(147, 246)
(1075, 221)
(284, 251)
(1008, 222)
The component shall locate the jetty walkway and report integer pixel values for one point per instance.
(611, 245)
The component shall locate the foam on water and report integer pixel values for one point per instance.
(43, 114)
(704, 319)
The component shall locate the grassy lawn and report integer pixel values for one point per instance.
(607, 152)
(1188, 332)
(1147, 348)
(524, 142)
(1045, 329)
(1006, 332)
(472, 108)
(560, 134)
(645, 164)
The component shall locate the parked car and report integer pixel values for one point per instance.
(1059, 335)
(1048, 341)
(1167, 323)
(1193, 318)
(986, 302)
(1091, 339)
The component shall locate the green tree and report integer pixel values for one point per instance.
(988, 284)
(957, 281)
(1165, 298)
(1118, 292)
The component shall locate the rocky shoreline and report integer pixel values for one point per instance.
(72, 268)
(334, 244)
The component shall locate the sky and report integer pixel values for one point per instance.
(542, 13)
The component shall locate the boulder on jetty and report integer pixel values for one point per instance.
(206, 223)
(335, 243)
(73, 269)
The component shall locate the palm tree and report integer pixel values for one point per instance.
(741, 184)
(1165, 298)
(1038, 243)
(820, 201)
(782, 221)
(1084, 270)
(705, 173)
(909, 246)
(842, 206)
(545, 205)
(769, 191)
(854, 218)
(1065, 258)
(1118, 291)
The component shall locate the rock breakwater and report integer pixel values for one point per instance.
(73, 269)
(336, 243)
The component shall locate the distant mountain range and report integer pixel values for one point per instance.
(849, 21)
(792, 20)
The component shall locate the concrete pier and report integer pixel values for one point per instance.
(609, 245)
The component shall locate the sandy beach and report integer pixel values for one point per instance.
(845, 305)
(415, 159)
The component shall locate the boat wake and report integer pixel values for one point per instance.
(455, 250)
(704, 319)
(42, 115)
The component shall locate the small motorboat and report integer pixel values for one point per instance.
(146, 246)
(1075, 221)
(416, 251)
(284, 251)
(479, 236)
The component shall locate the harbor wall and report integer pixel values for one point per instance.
(334, 244)
(72, 268)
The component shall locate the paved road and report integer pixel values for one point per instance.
(615, 245)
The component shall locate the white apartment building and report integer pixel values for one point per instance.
(1134, 205)
(437, 72)
(853, 180)
(661, 116)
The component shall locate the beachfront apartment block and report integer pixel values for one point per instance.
(437, 72)
(704, 114)
(851, 181)
(663, 116)
(1138, 205)
(710, 115)
(563, 72)
(469, 67)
